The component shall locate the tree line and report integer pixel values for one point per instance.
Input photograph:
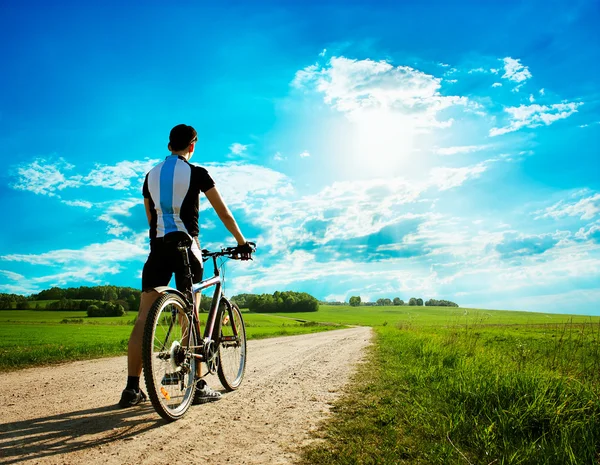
(287, 301)
(72, 298)
(356, 301)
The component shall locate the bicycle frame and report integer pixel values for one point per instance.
(191, 299)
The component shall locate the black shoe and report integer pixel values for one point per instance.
(205, 394)
(131, 397)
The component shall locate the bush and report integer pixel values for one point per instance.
(440, 303)
(109, 309)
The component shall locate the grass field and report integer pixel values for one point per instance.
(35, 337)
(473, 387)
(440, 386)
(432, 316)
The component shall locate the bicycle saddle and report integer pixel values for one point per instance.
(179, 238)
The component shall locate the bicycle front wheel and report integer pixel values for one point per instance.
(231, 341)
(167, 352)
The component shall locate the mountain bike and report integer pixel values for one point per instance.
(172, 346)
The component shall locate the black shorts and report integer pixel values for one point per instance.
(164, 260)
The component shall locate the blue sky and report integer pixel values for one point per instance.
(394, 149)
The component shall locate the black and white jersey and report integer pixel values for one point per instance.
(173, 188)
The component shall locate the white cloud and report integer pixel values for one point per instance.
(119, 176)
(240, 183)
(542, 92)
(78, 203)
(460, 149)
(237, 149)
(322, 54)
(535, 115)
(531, 98)
(592, 231)
(515, 71)
(497, 84)
(447, 178)
(12, 275)
(305, 154)
(118, 208)
(278, 156)
(97, 254)
(585, 208)
(45, 177)
(207, 224)
(452, 81)
(477, 70)
(89, 274)
(358, 88)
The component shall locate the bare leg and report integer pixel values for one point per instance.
(134, 349)
(198, 362)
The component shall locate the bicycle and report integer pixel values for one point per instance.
(172, 349)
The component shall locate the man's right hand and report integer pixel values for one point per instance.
(244, 251)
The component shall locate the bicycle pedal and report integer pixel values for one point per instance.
(170, 379)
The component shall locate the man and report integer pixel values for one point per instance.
(171, 198)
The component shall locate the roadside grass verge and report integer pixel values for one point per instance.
(33, 337)
(470, 395)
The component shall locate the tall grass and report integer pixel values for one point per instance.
(471, 394)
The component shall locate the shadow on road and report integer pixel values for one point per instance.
(69, 432)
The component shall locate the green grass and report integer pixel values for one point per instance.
(471, 393)
(34, 337)
(437, 316)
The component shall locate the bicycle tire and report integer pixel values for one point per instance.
(169, 367)
(232, 347)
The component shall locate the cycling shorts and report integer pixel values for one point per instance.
(165, 259)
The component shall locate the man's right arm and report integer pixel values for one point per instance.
(215, 199)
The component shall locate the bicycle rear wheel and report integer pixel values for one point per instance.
(167, 352)
(231, 341)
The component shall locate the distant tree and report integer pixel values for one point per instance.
(387, 302)
(54, 293)
(287, 301)
(412, 301)
(111, 294)
(398, 301)
(354, 301)
(419, 302)
(205, 303)
(243, 300)
(440, 303)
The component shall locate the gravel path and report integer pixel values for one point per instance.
(66, 414)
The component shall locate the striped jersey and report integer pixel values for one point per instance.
(173, 188)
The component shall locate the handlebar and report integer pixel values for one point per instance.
(229, 252)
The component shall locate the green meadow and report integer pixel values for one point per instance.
(467, 386)
(439, 385)
(37, 337)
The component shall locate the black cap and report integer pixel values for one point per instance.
(181, 136)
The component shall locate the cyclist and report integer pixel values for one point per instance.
(171, 198)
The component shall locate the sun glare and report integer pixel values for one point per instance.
(384, 141)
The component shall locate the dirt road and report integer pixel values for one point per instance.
(67, 413)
